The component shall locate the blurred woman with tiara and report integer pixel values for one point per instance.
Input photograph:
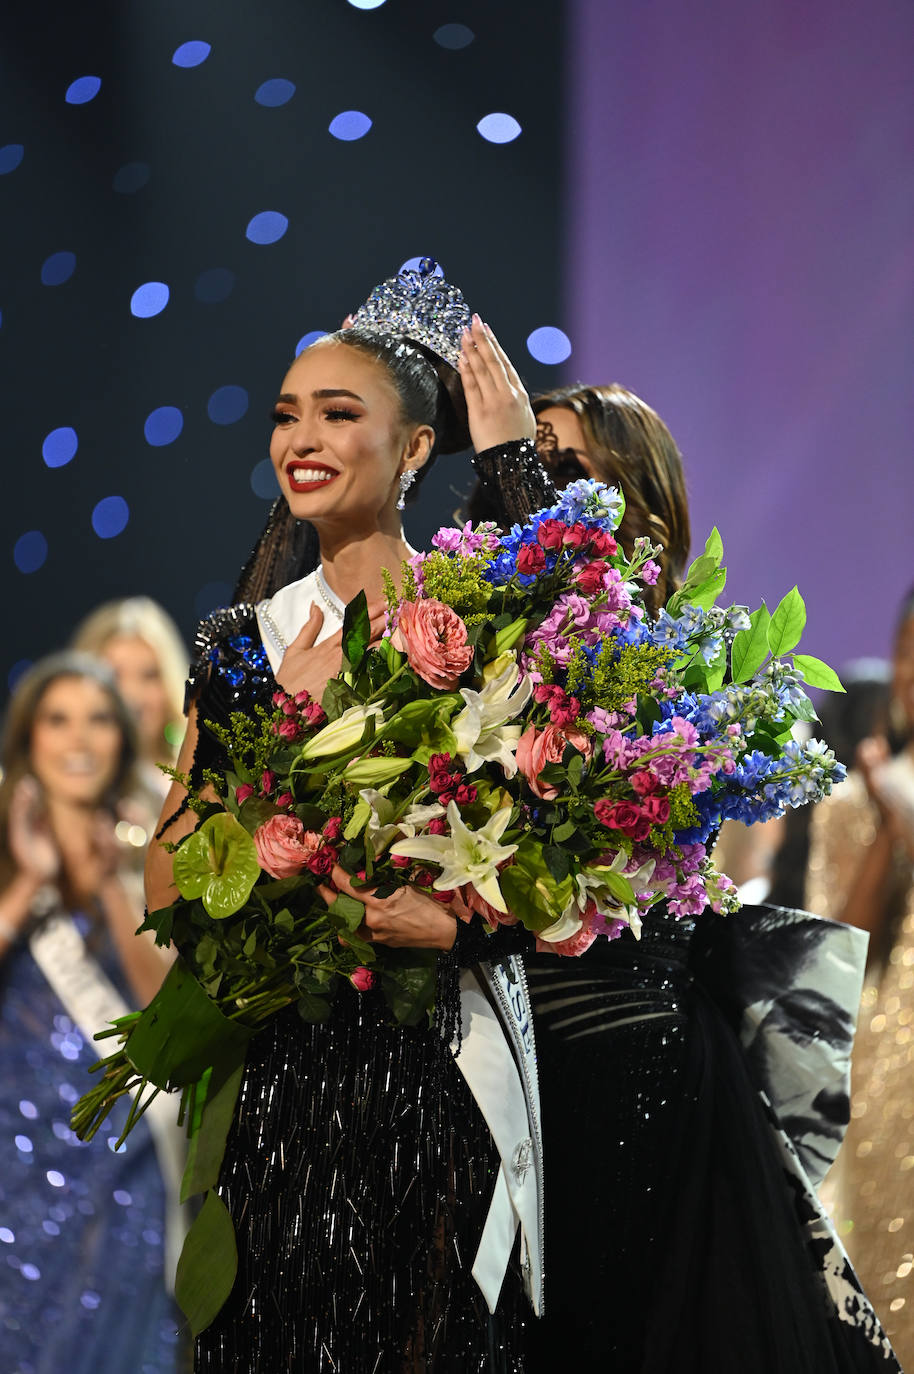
(386, 1212)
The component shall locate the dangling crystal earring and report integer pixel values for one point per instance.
(407, 477)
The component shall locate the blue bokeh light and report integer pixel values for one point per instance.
(30, 551)
(227, 405)
(191, 54)
(307, 339)
(58, 268)
(453, 36)
(549, 345)
(149, 299)
(110, 516)
(59, 447)
(278, 91)
(350, 125)
(163, 425)
(214, 285)
(498, 128)
(83, 89)
(133, 176)
(18, 670)
(11, 154)
(211, 596)
(267, 227)
(263, 481)
(412, 264)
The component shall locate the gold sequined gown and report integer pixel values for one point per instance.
(872, 1184)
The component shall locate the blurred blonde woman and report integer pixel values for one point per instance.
(143, 645)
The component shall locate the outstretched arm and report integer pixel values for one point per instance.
(502, 427)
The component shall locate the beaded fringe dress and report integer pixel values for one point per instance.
(358, 1170)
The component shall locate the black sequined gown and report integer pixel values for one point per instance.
(358, 1170)
(674, 1242)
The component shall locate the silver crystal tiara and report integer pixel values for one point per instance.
(421, 305)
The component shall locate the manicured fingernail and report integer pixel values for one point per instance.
(477, 320)
(487, 329)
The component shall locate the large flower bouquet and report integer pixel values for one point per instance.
(525, 744)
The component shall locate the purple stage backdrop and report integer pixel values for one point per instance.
(740, 252)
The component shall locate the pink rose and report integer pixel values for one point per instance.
(284, 846)
(536, 748)
(289, 730)
(362, 979)
(284, 799)
(573, 946)
(243, 792)
(466, 902)
(434, 639)
(333, 830)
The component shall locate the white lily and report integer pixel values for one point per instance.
(568, 924)
(481, 731)
(341, 734)
(591, 886)
(418, 817)
(381, 826)
(465, 856)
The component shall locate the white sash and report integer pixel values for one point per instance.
(497, 1060)
(91, 1001)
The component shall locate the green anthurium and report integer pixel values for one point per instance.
(218, 864)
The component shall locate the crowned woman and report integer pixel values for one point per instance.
(385, 1194)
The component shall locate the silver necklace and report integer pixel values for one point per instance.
(326, 595)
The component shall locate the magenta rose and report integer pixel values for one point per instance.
(657, 809)
(550, 533)
(602, 544)
(590, 578)
(530, 559)
(536, 748)
(624, 816)
(434, 639)
(243, 792)
(362, 978)
(284, 846)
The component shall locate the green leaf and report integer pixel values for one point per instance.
(312, 1007)
(253, 812)
(356, 632)
(217, 863)
(338, 697)
(787, 623)
(620, 888)
(714, 545)
(408, 983)
(208, 1264)
(707, 592)
(182, 1033)
(557, 861)
(563, 832)
(207, 1143)
(349, 910)
(817, 673)
(358, 820)
(750, 647)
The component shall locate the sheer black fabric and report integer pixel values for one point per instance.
(665, 1194)
(512, 483)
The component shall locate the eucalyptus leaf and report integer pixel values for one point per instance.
(817, 673)
(208, 1264)
(750, 647)
(787, 622)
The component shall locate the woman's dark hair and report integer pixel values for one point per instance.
(630, 447)
(20, 720)
(430, 393)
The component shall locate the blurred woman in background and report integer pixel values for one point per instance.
(143, 646)
(861, 870)
(82, 1288)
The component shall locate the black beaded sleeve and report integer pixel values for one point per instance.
(514, 480)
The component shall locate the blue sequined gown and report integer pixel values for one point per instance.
(81, 1228)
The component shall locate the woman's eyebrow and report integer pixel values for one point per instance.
(335, 391)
